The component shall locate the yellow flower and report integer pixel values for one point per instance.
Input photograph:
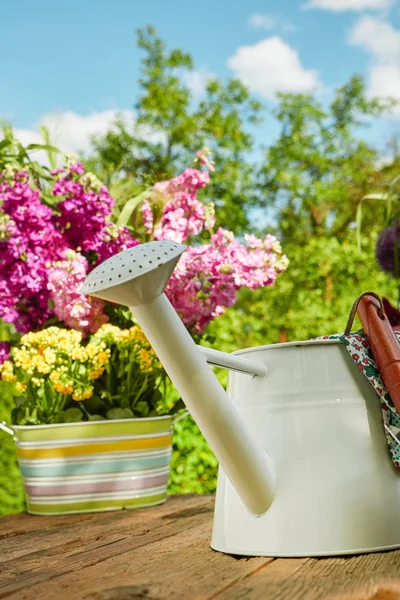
(55, 376)
(102, 357)
(21, 387)
(82, 394)
(7, 372)
(40, 364)
(50, 356)
(63, 389)
(79, 354)
(96, 373)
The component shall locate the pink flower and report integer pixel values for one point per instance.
(147, 213)
(76, 310)
(183, 213)
(206, 279)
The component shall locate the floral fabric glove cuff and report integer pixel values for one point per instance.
(357, 346)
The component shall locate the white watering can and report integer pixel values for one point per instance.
(304, 465)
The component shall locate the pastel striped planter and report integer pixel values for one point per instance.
(95, 466)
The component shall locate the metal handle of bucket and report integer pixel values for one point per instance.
(4, 427)
(181, 416)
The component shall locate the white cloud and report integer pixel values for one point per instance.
(382, 42)
(385, 81)
(72, 133)
(268, 22)
(69, 131)
(272, 66)
(260, 21)
(377, 37)
(344, 5)
(197, 81)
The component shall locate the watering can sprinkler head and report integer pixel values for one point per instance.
(137, 278)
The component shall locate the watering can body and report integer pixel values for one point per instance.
(319, 420)
(304, 463)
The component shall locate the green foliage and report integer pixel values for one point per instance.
(11, 489)
(308, 184)
(12, 497)
(318, 170)
(14, 154)
(172, 125)
(193, 465)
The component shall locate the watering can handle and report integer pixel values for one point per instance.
(382, 340)
(234, 363)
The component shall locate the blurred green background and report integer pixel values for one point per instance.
(305, 188)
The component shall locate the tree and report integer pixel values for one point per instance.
(313, 178)
(172, 124)
(317, 171)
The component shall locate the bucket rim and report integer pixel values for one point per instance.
(88, 423)
(289, 344)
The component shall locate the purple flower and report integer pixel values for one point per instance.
(85, 214)
(388, 250)
(392, 313)
(34, 238)
(31, 242)
(4, 352)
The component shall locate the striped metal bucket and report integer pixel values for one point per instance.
(94, 466)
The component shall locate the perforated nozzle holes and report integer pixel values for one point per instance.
(136, 275)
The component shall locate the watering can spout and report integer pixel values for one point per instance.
(137, 278)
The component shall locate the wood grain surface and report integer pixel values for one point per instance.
(163, 553)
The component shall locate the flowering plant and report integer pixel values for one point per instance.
(54, 229)
(59, 379)
(387, 249)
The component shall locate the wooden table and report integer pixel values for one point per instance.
(163, 553)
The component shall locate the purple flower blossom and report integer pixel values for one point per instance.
(4, 352)
(388, 250)
(45, 253)
(33, 238)
(30, 243)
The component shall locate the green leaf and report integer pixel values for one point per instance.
(4, 143)
(119, 413)
(130, 206)
(142, 408)
(71, 415)
(49, 395)
(46, 147)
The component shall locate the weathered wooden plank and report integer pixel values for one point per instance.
(118, 533)
(318, 579)
(64, 529)
(163, 553)
(180, 567)
(23, 524)
(381, 591)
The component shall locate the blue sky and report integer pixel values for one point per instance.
(72, 65)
